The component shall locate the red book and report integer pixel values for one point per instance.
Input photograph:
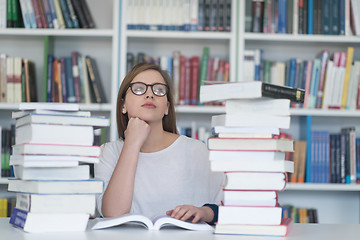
(194, 68)
(187, 81)
(256, 230)
(37, 13)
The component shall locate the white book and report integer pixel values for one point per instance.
(49, 222)
(353, 89)
(25, 13)
(264, 105)
(246, 130)
(329, 84)
(19, 114)
(92, 186)
(87, 95)
(250, 198)
(252, 165)
(250, 144)
(10, 86)
(33, 118)
(55, 203)
(50, 160)
(249, 90)
(246, 155)
(2, 14)
(60, 134)
(155, 224)
(250, 215)
(81, 172)
(17, 79)
(55, 149)
(250, 119)
(275, 181)
(249, 65)
(49, 106)
(32, 18)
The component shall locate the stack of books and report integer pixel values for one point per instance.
(51, 156)
(246, 146)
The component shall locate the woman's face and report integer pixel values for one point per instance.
(148, 107)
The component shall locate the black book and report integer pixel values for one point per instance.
(95, 80)
(80, 13)
(87, 14)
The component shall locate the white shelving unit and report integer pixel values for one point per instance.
(101, 43)
(336, 203)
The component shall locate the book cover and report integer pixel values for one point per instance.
(155, 224)
(30, 81)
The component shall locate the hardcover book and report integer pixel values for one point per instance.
(249, 90)
(154, 224)
(48, 222)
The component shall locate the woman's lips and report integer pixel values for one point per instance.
(148, 105)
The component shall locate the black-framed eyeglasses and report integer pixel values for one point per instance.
(140, 88)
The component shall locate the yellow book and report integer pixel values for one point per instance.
(349, 59)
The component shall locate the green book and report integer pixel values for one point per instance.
(204, 67)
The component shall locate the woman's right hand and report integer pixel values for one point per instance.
(137, 132)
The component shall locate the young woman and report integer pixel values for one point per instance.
(152, 170)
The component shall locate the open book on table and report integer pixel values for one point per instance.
(155, 224)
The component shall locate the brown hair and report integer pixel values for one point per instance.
(168, 121)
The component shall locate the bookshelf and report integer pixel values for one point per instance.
(101, 43)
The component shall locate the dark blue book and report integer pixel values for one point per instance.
(63, 80)
(335, 17)
(310, 16)
(282, 16)
(50, 77)
(326, 17)
(66, 13)
(201, 15)
(70, 86)
(341, 17)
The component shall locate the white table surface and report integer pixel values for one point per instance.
(297, 232)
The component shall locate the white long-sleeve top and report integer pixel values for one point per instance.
(179, 174)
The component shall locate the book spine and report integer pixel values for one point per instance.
(87, 14)
(37, 14)
(66, 13)
(274, 91)
(73, 17)
(63, 80)
(194, 80)
(70, 86)
(48, 14)
(42, 14)
(75, 71)
(80, 14)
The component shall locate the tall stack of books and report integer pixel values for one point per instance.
(247, 148)
(51, 156)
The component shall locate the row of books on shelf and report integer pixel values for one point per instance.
(194, 15)
(187, 73)
(54, 189)
(74, 79)
(57, 14)
(17, 79)
(330, 81)
(333, 17)
(299, 214)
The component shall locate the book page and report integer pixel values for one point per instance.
(163, 221)
(101, 223)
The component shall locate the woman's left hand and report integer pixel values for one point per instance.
(197, 214)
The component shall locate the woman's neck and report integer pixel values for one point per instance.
(157, 140)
